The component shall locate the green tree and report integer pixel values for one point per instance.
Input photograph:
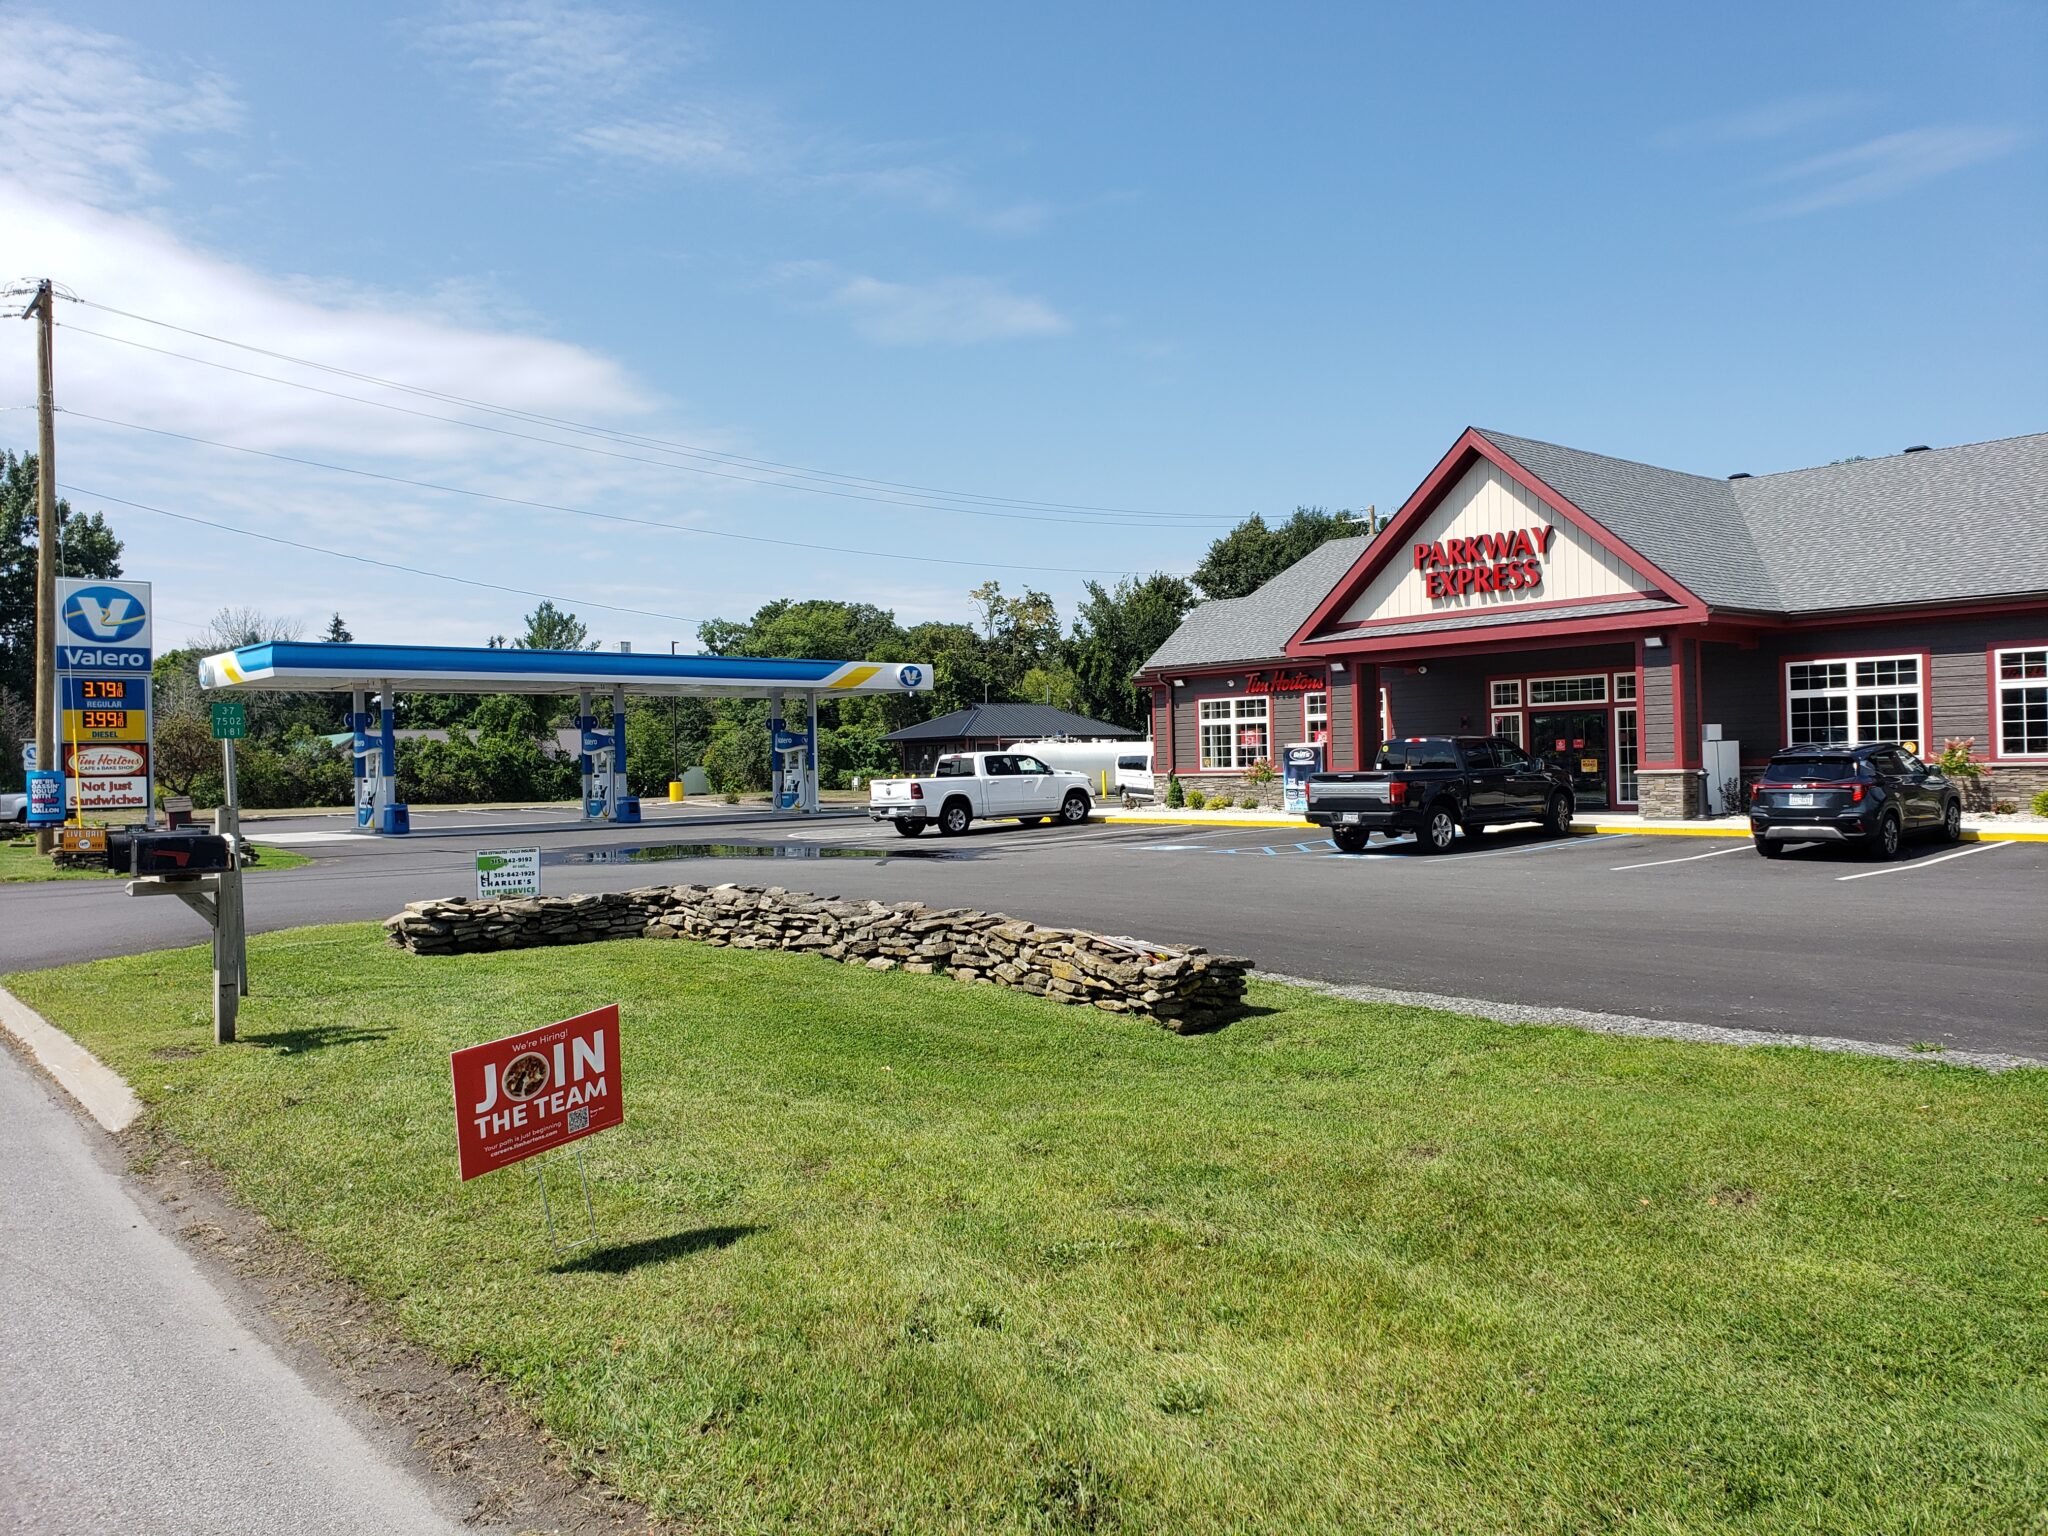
(1115, 632)
(1252, 554)
(86, 546)
(337, 632)
(549, 628)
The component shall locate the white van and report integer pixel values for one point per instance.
(1122, 768)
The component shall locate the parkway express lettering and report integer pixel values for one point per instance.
(1486, 562)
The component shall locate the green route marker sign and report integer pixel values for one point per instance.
(230, 720)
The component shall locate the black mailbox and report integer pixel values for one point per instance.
(173, 853)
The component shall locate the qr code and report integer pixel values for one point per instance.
(579, 1119)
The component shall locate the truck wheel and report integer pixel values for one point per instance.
(907, 827)
(1350, 839)
(1074, 809)
(1557, 821)
(954, 818)
(1440, 831)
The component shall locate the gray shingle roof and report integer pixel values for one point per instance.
(1688, 526)
(1948, 525)
(1258, 626)
(1022, 721)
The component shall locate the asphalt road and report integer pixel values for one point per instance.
(135, 1398)
(1948, 946)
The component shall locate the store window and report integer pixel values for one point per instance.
(1509, 726)
(1624, 687)
(1591, 689)
(1315, 715)
(2022, 701)
(1627, 750)
(1853, 700)
(1235, 732)
(1507, 693)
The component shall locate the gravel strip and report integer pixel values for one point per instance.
(1655, 1029)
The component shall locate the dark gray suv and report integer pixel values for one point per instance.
(1874, 796)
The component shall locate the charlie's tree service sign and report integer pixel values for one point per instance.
(518, 1097)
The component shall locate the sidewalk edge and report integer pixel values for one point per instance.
(102, 1091)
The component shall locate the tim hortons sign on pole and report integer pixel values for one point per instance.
(527, 1094)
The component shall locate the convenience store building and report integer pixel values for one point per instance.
(1626, 622)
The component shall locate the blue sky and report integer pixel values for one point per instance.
(1190, 260)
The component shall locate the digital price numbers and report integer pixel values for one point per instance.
(103, 688)
(104, 719)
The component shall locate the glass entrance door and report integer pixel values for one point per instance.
(1574, 741)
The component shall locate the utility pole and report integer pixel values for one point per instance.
(46, 547)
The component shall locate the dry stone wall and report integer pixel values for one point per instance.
(1181, 987)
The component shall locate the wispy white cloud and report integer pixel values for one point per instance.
(79, 110)
(1886, 166)
(548, 54)
(618, 86)
(1766, 120)
(944, 311)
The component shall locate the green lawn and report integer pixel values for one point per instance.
(893, 1253)
(21, 864)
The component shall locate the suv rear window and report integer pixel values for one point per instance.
(1422, 752)
(1139, 763)
(1798, 770)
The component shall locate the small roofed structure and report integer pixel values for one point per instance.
(384, 671)
(991, 727)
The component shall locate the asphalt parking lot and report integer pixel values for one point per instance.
(1944, 948)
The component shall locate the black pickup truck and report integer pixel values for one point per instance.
(1433, 785)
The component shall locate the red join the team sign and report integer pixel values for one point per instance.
(528, 1094)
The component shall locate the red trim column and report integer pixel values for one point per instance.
(1365, 714)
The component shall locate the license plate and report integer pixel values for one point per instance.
(1799, 799)
(1351, 818)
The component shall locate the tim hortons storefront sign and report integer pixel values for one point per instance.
(1485, 562)
(1285, 682)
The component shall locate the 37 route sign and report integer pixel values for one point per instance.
(527, 1094)
(230, 720)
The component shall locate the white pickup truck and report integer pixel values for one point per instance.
(972, 786)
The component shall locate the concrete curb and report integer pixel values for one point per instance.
(1733, 829)
(1656, 1029)
(103, 1091)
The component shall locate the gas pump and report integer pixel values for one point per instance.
(603, 759)
(793, 758)
(375, 764)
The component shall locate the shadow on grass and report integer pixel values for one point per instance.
(292, 1042)
(654, 1250)
(1223, 1021)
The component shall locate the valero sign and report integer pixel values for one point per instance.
(528, 1094)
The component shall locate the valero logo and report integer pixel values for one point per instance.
(910, 677)
(104, 615)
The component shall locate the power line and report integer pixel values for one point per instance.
(389, 565)
(609, 517)
(918, 494)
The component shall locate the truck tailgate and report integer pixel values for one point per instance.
(891, 792)
(1350, 791)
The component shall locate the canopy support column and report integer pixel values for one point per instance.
(625, 808)
(392, 818)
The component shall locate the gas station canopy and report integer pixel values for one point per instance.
(305, 666)
(383, 672)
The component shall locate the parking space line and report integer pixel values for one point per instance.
(1893, 869)
(1689, 858)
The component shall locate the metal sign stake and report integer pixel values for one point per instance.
(540, 1168)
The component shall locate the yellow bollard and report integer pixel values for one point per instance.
(675, 789)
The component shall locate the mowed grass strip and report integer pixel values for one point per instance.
(20, 864)
(894, 1253)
